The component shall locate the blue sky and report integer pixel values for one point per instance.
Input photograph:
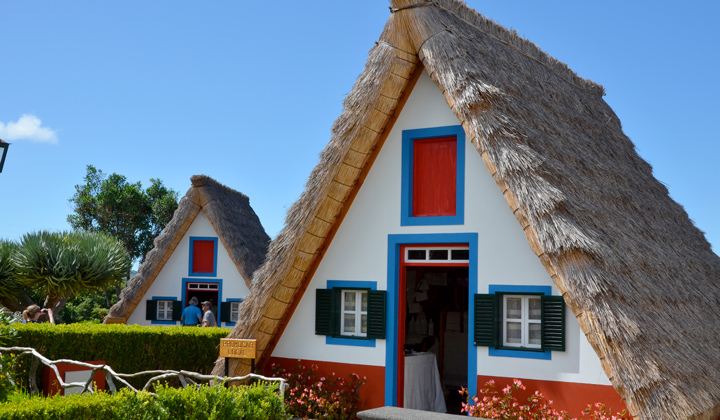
(246, 92)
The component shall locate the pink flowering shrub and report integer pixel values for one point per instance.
(494, 404)
(312, 396)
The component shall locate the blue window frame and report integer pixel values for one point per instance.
(191, 257)
(157, 301)
(406, 207)
(227, 307)
(343, 341)
(528, 290)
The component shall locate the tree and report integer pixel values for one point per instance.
(132, 215)
(12, 292)
(56, 266)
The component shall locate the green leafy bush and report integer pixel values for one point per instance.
(255, 402)
(125, 348)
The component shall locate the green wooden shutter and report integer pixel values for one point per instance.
(486, 322)
(177, 310)
(376, 313)
(325, 312)
(553, 323)
(151, 310)
(225, 312)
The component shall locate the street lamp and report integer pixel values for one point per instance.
(3, 152)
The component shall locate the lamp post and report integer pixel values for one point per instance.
(3, 152)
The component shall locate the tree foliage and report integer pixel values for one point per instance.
(55, 266)
(10, 289)
(69, 263)
(124, 210)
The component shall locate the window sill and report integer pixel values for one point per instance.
(521, 353)
(350, 341)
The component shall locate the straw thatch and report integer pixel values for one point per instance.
(234, 221)
(641, 279)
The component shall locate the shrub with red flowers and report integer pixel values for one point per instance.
(312, 396)
(492, 403)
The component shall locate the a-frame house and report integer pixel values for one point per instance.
(209, 250)
(475, 183)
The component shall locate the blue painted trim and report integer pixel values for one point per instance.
(349, 284)
(190, 258)
(348, 341)
(508, 288)
(521, 354)
(172, 298)
(228, 300)
(408, 138)
(218, 281)
(393, 275)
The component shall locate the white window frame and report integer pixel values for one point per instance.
(235, 311)
(357, 311)
(524, 321)
(164, 310)
(203, 286)
(427, 250)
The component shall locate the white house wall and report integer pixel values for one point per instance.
(168, 283)
(359, 252)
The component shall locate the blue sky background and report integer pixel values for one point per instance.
(246, 92)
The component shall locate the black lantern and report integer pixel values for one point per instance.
(3, 152)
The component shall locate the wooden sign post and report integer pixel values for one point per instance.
(231, 348)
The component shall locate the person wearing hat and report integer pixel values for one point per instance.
(191, 315)
(208, 319)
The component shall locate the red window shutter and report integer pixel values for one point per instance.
(203, 256)
(434, 176)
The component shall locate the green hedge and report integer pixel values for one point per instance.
(125, 348)
(254, 402)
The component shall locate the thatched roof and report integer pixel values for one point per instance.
(641, 279)
(234, 221)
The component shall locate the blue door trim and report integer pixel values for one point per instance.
(393, 273)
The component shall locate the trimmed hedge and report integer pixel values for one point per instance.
(255, 402)
(125, 348)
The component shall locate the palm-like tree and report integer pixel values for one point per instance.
(12, 295)
(64, 264)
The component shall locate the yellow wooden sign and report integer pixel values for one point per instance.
(238, 349)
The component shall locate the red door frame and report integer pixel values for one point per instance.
(402, 304)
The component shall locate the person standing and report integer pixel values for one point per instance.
(208, 319)
(191, 315)
(33, 313)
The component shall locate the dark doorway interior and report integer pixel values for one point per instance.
(436, 318)
(209, 292)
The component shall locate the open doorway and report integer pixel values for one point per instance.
(203, 291)
(434, 323)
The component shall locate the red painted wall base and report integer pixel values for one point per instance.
(372, 393)
(571, 397)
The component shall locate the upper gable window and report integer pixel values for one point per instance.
(203, 257)
(433, 176)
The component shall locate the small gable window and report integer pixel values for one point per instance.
(433, 176)
(163, 310)
(203, 257)
(346, 314)
(516, 324)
